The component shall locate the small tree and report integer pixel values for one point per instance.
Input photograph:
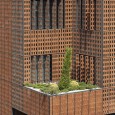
(65, 77)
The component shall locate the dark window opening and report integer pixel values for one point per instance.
(34, 68)
(47, 14)
(50, 67)
(81, 13)
(34, 14)
(63, 13)
(44, 13)
(44, 64)
(17, 112)
(51, 8)
(58, 12)
(41, 68)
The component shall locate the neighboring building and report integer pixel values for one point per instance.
(33, 38)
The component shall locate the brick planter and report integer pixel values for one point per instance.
(85, 102)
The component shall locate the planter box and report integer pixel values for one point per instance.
(84, 102)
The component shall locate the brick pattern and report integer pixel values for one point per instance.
(92, 39)
(5, 56)
(109, 57)
(35, 103)
(85, 103)
(45, 41)
(85, 66)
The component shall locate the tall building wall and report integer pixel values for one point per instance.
(109, 55)
(84, 30)
(88, 39)
(17, 53)
(95, 41)
(49, 39)
(5, 56)
(34, 35)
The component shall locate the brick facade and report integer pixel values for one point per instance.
(85, 103)
(33, 38)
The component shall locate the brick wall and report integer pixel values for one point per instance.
(35, 103)
(79, 103)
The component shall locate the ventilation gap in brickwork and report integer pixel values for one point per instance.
(47, 14)
(63, 13)
(34, 14)
(58, 12)
(81, 13)
(41, 68)
(51, 12)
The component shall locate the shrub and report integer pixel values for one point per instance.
(90, 86)
(54, 89)
(73, 85)
(28, 84)
(65, 77)
(81, 87)
(64, 90)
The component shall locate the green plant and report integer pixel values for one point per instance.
(82, 84)
(64, 90)
(90, 86)
(28, 84)
(65, 77)
(81, 87)
(73, 85)
(54, 89)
